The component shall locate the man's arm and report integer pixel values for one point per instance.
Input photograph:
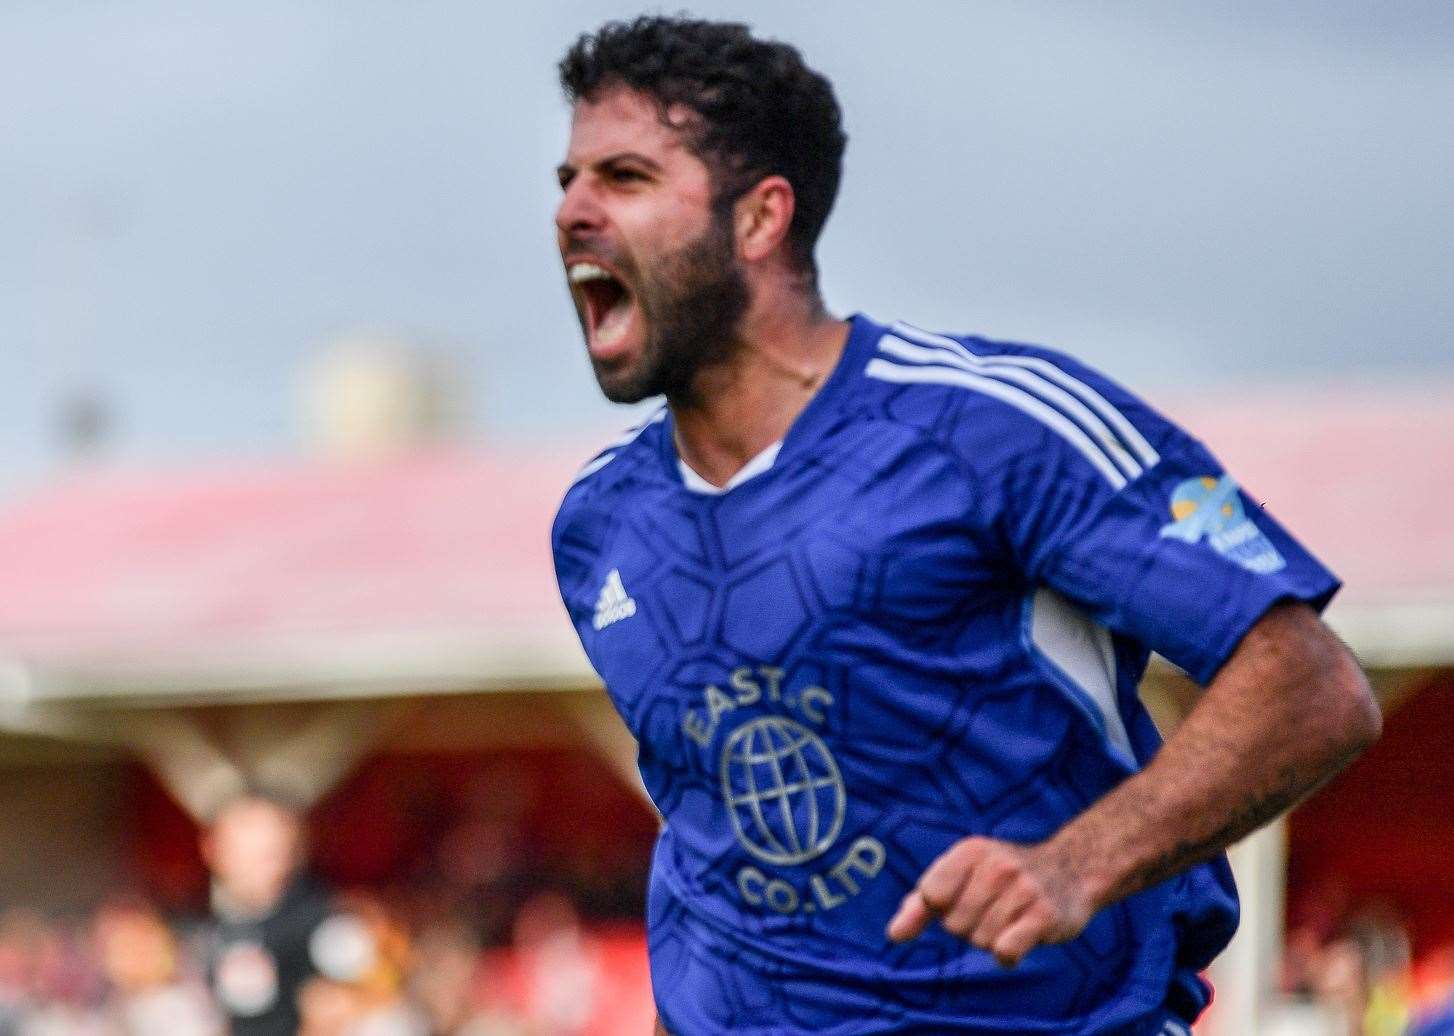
(1286, 712)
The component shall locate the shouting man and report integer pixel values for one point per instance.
(876, 601)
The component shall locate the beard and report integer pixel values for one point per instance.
(691, 304)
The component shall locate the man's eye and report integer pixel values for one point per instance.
(627, 175)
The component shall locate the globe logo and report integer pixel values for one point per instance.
(782, 789)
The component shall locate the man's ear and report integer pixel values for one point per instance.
(762, 216)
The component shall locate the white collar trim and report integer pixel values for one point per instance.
(756, 466)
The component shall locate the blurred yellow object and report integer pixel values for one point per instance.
(1388, 1011)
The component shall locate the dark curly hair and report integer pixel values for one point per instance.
(760, 110)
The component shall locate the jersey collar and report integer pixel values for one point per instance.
(863, 333)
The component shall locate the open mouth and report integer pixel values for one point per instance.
(609, 304)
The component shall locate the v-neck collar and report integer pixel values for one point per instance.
(756, 466)
(810, 422)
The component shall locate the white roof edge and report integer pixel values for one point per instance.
(1390, 635)
(323, 669)
(1397, 634)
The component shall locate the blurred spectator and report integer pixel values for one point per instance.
(362, 954)
(19, 932)
(1340, 982)
(64, 990)
(265, 912)
(1383, 944)
(445, 977)
(554, 975)
(149, 993)
(480, 858)
(124, 972)
(454, 954)
(1356, 984)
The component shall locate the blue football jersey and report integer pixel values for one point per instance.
(926, 618)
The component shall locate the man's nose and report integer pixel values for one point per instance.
(578, 213)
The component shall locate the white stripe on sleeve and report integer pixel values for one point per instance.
(1117, 420)
(885, 370)
(1032, 382)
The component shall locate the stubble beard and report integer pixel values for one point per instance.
(691, 303)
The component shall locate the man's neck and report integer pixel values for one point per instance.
(741, 407)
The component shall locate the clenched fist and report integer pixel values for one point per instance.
(1002, 897)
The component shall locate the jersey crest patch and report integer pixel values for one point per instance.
(1211, 508)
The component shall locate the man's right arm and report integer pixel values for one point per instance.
(1288, 710)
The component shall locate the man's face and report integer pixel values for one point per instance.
(652, 269)
(252, 850)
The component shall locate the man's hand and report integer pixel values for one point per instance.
(1001, 897)
(1288, 710)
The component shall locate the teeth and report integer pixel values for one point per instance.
(580, 273)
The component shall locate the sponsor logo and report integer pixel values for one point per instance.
(1210, 508)
(783, 791)
(614, 604)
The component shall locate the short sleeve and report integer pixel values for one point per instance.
(1137, 521)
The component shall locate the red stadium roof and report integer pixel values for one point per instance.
(431, 571)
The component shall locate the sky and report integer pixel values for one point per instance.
(194, 199)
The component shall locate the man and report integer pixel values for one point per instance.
(264, 914)
(875, 602)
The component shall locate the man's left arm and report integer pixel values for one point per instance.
(1286, 712)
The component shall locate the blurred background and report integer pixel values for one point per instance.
(290, 387)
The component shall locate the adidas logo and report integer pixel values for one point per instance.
(613, 605)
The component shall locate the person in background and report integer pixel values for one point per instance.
(265, 911)
(363, 953)
(443, 977)
(21, 933)
(48, 985)
(558, 984)
(149, 990)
